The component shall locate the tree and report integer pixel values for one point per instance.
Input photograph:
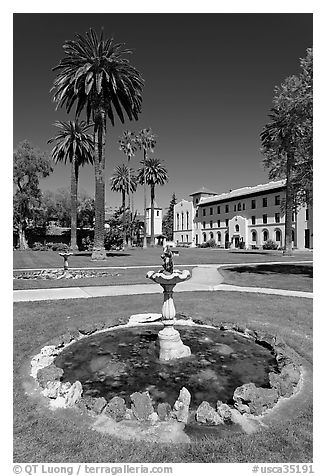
(146, 141)
(167, 225)
(85, 211)
(128, 145)
(57, 207)
(96, 77)
(75, 145)
(287, 142)
(123, 181)
(30, 164)
(152, 173)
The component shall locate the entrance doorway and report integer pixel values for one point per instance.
(236, 242)
(307, 238)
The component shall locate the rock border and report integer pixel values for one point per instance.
(59, 273)
(249, 402)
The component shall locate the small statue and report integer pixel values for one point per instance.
(167, 258)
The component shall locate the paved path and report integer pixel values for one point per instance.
(204, 278)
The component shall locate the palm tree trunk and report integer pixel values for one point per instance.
(22, 237)
(98, 252)
(73, 198)
(129, 201)
(152, 214)
(145, 205)
(124, 217)
(288, 210)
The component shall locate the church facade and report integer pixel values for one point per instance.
(243, 218)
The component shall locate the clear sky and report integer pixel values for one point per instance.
(209, 82)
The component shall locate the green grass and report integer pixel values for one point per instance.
(279, 276)
(150, 256)
(42, 436)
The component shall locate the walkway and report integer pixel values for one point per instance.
(204, 278)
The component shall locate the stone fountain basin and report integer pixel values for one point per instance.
(160, 277)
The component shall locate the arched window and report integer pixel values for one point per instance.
(265, 235)
(254, 235)
(239, 207)
(182, 217)
(218, 236)
(237, 228)
(204, 237)
(211, 235)
(277, 235)
(178, 221)
(293, 235)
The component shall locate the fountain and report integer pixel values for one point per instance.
(65, 255)
(171, 345)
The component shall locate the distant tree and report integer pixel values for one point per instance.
(85, 211)
(95, 76)
(30, 164)
(75, 145)
(57, 207)
(128, 145)
(167, 223)
(152, 173)
(146, 141)
(123, 181)
(287, 141)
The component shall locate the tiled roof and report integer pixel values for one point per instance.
(243, 191)
(203, 190)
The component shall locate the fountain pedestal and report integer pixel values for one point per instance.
(171, 345)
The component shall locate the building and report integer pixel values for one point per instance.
(243, 218)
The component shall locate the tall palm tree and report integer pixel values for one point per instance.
(75, 145)
(96, 77)
(123, 181)
(128, 145)
(153, 173)
(146, 141)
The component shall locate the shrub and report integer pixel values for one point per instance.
(113, 239)
(242, 245)
(39, 247)
(60, 247)
(87, 244)
(270, 245)
(212, 243)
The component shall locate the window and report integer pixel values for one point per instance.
(196, 213)
(187, 238)
(157, 213)
(196, 239)
(235, 208)
(211, 236)
(254, 236)
(253, 203)
(265, 235)
(182, 217)
(264, 218)
(178, 222)
(211, 224)
(253, 220)
(197, 200)
(226, 208)
(277, 235)
(218, 236)
(204, 224)
(265, 202)
(204, 212)
(187, 215)
(277, 199)
(211, 211)
(182, 238)
(277, 218)
(226, 222)
(293, 216)
(243, 206)
(204, 236)
(218, 223)
(237, 228)
(293, 235)
(239, 207)
(218, 210)
(307, 214)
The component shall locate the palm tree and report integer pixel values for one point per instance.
(96, 77)
(73, 144)
(146, 140)
(128, 145)
(153, 173)
(123, 181)
(278, 139)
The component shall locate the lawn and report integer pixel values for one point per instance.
(41, 436)
(151, 256)
(280, 276)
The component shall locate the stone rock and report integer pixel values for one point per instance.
(224, 411)
(181, 406)
(87, 329)
(52, 389)
(48, 374)
(164, 411)
(141, 405)
(95, 404)
(285, 382)
(64, 388)
(116, 408)
(39, 362)
(153, 417)
(62, 340)
(267, 340)
(256, 398)
(226, 326)
(74, 394)
(206, 414)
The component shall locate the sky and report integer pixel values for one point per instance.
(209, 84)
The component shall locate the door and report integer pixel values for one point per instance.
(236, 242)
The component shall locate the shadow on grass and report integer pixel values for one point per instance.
(306, 271)
(109, 254)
